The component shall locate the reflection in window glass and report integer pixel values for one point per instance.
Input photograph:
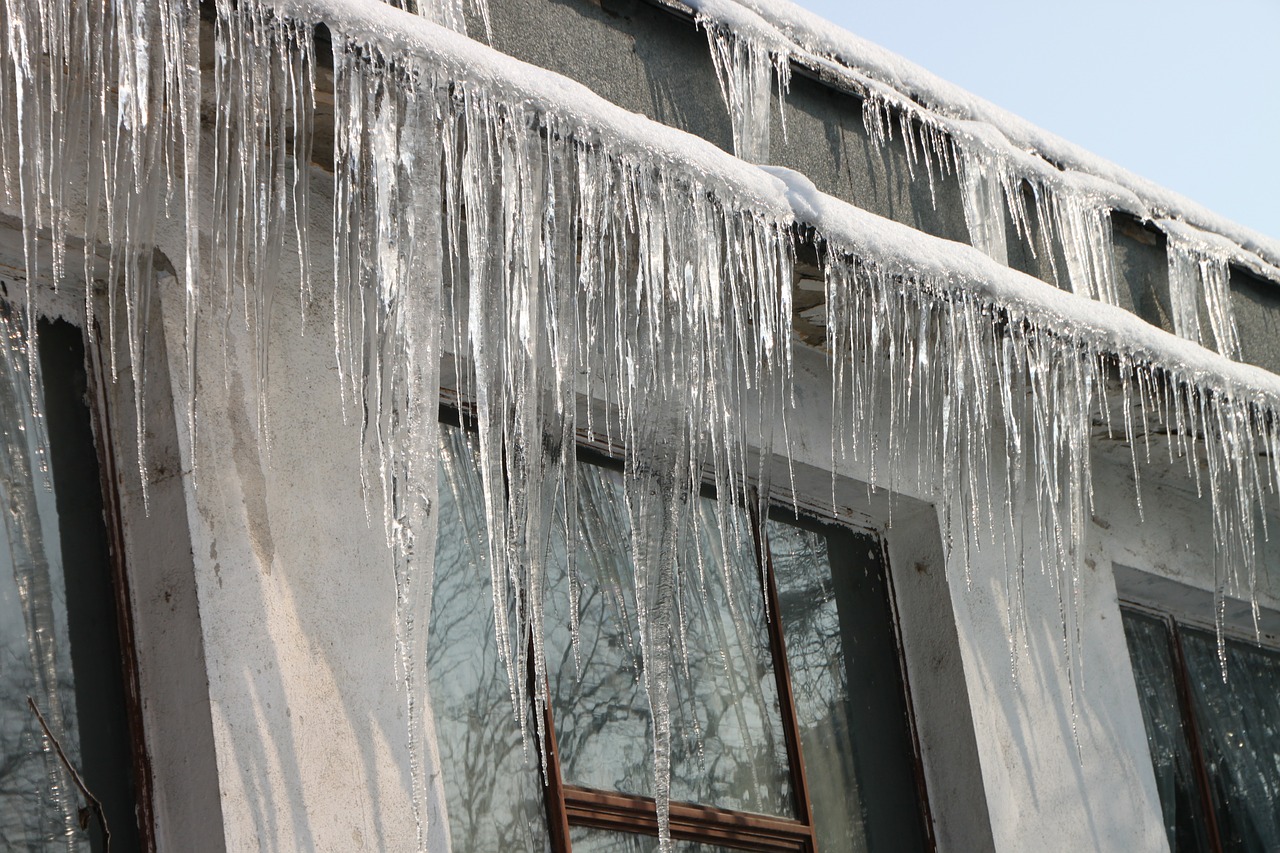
(1151, 651)
(728, 749)
(847, 686)
(1239, 724)
(493, 789)
(38, 806)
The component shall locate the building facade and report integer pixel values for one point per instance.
(608, 425)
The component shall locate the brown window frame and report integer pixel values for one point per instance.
(1173, 625)
(117, 798)
(568, 806)
(573, 805)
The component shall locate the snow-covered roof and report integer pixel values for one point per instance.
(843, 58)
(779, 193)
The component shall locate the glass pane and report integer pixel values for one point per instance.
(1153, 672)
(847, 685)
(727, 745)
(38, 805)
(585, 840)
(1239, 725)
(493, 790)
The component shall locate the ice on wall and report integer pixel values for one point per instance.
(1199, 275)
(584, 271)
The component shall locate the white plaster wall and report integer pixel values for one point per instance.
(295, 588)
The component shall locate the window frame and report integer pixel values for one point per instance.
(114, 786)
(1173, 624)
(568, 806)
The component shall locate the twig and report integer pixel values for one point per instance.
(94, 803)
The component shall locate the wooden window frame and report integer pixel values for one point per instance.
(1186, 706)
(82, 459)
(568, 806)
(571, 806)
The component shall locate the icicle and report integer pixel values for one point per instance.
(580, 270)
(579, 264)
(980, 184)
(390, 146)
(449, 13)
(925, 140)
(1083, 228)
(675, 306)
(106, 101)
(745, 69)
(1070, 210)
(1199, 272)
(263, 78)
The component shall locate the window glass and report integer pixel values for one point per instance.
(1239, 725)
(59, 636)
(34, 658)
(1151, 651)
(493, 789)
(847, 686)
(728, 749)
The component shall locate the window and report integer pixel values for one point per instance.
(789, 728)
(63, 623)
(1215, 742)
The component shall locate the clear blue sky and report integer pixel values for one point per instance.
(1186, 94)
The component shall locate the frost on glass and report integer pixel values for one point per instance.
(1151, 652)
(39, 805)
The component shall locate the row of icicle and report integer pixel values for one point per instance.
(556, 267)
(1045, 206)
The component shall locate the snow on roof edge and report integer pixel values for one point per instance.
(814, 38)
(790, 196)
(567, 99)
